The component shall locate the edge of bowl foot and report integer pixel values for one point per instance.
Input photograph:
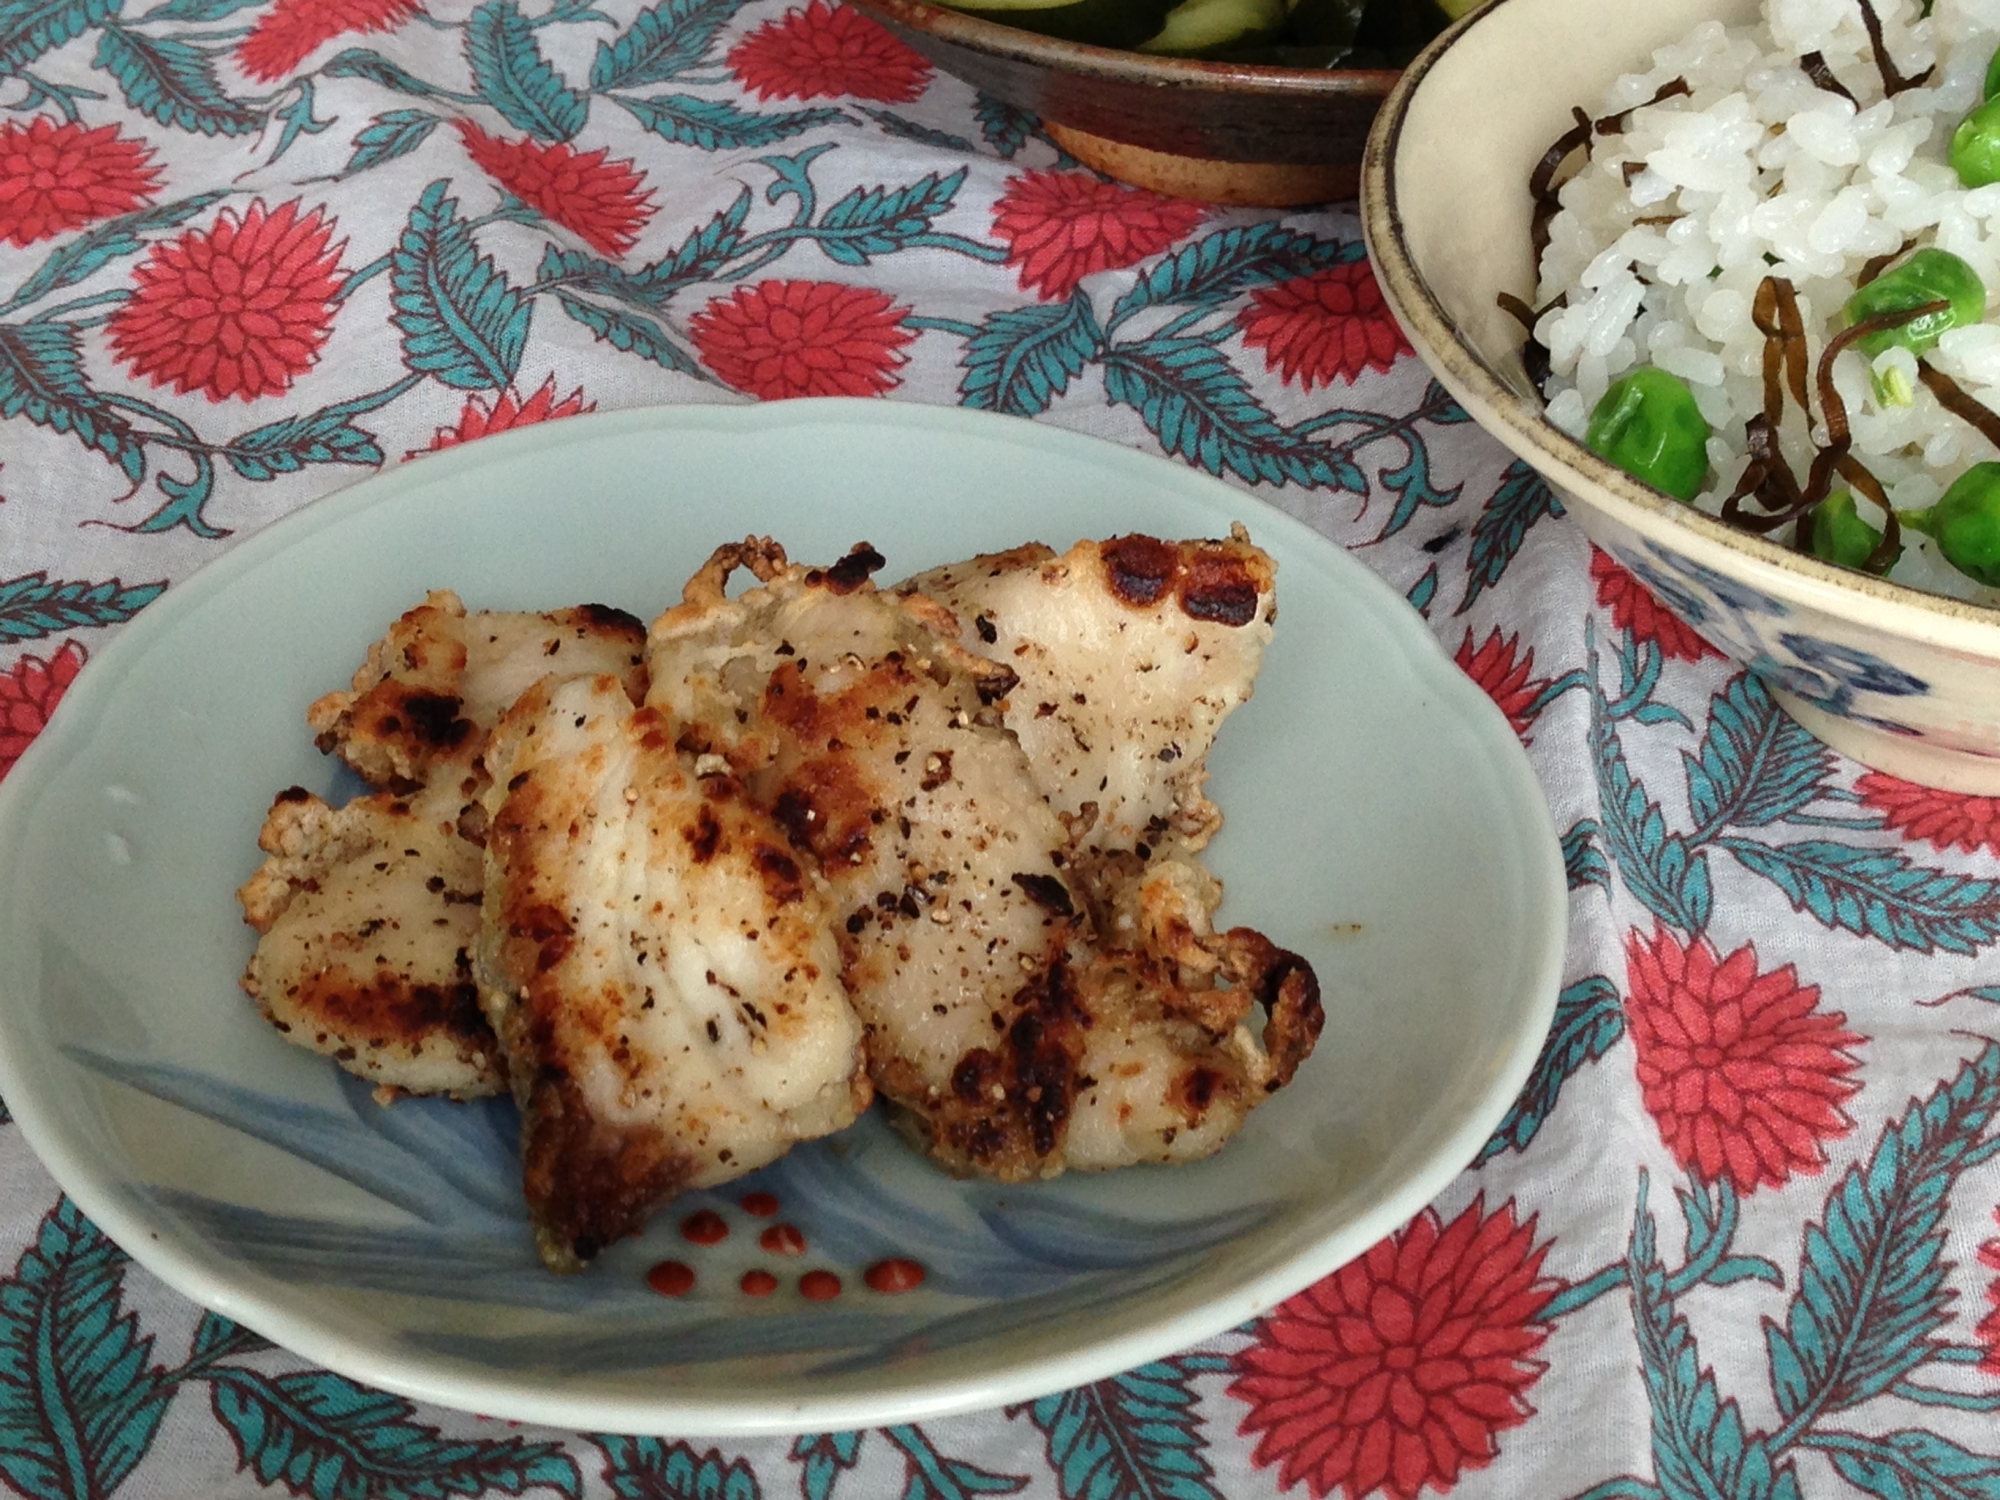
(1921, 761)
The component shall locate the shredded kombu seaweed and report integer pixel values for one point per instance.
(1813, 65)
(1767, 480)
(1960, 405)
(1534, 353)
(1893, 82)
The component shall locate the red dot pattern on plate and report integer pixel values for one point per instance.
(892, 1276)
(704, 1228)
(782, 1239)
(671, 1279)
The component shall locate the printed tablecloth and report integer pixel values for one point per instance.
(1738, 1238)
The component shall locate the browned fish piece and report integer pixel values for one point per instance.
(1015, 1039)
(658, 963)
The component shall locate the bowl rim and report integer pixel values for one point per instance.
(1123, 65)
(1521, 424)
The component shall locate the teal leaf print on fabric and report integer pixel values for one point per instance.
(80, 1398)
(924, 135)
(32, 607)
(632, 334)
(1003, 126)
(700, 257)
(388, 136)
(1910, 1465)
(1757, 764)
(1871, 1287)
(42, 379)
(1590, 1018)
(217, 1337)
(1503, 525)
(196, 10)
(372, 67)
(822, 1458)
(1658, 867)
(933, 1476)
(28, 28)
(510, 73)
(1132, 1437)
(1232, 261)
(173, 83)
(661, 43)
(1700, 1448)
(1022, 358)
(716, 124)
(1194, 401)
(1423, 591)
(1878, 893)
(880, 221)
(325, 1437)
(1583, 862)
(645, 1468)
(289, 444)
(1712, 1212)
(460, 319)
(93, 250)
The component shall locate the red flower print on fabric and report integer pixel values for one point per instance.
(1328, 326)
(598, 201)
(1634, 609)
(286, 34)
(827, 52)
(1399, 1369)
(1946, 820)
(1063, 226)
(1989, 1326)
(1506, 674)
(55, 178)
(238, 309)
(477, 420)
(1741, 1071)
(29, 693)
(803, 338)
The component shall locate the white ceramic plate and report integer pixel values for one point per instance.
(1382, 820)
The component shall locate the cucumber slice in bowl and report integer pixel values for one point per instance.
(1201, 28)
(1098, 23)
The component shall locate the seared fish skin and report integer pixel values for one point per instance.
(367, 916)
(1129, 653)
(421, 705)
(659, 965)
(1017, 1042)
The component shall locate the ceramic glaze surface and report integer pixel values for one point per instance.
(389, 1242)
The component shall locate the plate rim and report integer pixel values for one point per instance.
(427, 1375)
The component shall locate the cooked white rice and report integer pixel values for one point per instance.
(1760, 172)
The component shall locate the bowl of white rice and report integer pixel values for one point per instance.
(1560, 192)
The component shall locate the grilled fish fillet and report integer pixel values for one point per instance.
(659, 965)
(1130, 653)
(1016, 1042)
(366, 913)
(418, 711)
(367, 916)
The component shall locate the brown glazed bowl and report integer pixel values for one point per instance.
(1227, 133)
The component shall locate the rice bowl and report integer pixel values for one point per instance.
(1760, 169)
(1904, 680)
